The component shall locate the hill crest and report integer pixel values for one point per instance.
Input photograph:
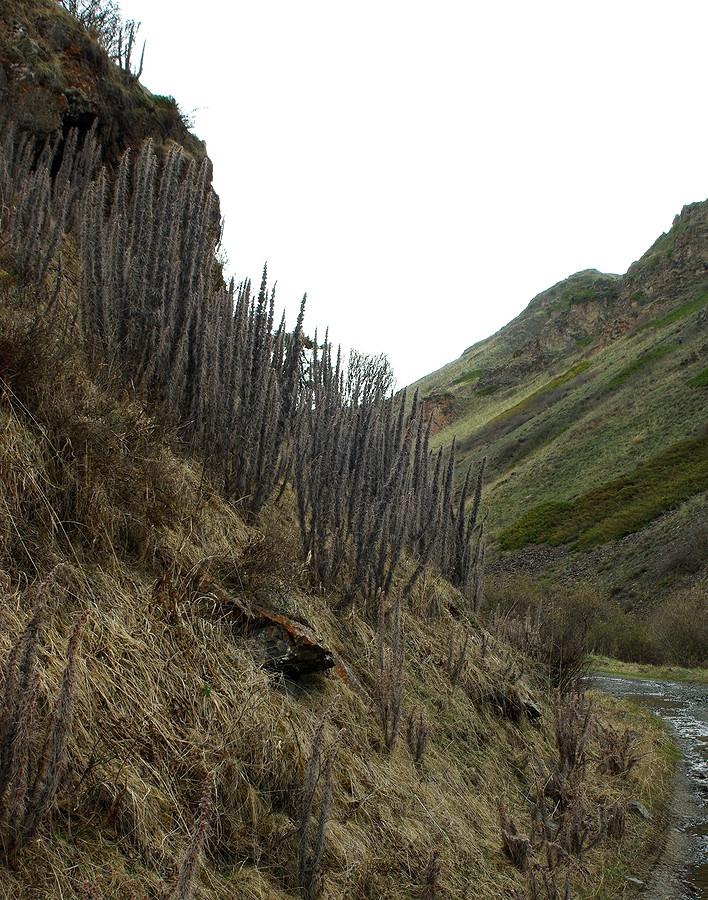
(594, 386)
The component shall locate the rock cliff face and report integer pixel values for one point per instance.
(557, 324)
(586, 312)
(54, 75)
(675, 260)
(564, 317)
(442, 409)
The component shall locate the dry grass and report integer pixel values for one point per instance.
(167, 690)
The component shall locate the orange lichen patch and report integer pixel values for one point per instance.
(344, 673)
(282, 643)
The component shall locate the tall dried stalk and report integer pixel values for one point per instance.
(457, 656)
(390, 674)
(251, 399)
(312, 827)
(417, 735)
(432, 875)
(190, 862)
(32, 772)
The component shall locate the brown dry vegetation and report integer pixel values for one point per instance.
(168, 691)
(144, 749)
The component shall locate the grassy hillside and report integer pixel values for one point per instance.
(171, 700)
(239, 655)
(590, 408)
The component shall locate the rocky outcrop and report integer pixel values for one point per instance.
(279, 643)
(54, 75)
(586, 312)
(675, 262)
(283, 645)
(442, 407)
(559, 319)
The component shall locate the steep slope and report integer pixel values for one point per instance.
(55, 75)
(590, 408)
(104, 528)
(185, 712)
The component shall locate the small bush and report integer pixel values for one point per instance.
(555, 634)
(572, 721)
(624, 636)
(617, 751)
(688, 554)
(516, 846)
(680, 627)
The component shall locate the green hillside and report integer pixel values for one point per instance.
(590, 408)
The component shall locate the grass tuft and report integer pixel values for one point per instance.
(468, 377)
(700, 380)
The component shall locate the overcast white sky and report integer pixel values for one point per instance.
(422, 170)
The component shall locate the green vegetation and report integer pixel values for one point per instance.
(556, 382)
(674, 633)
(536, 526)
(566, 376)
(610, 454)
(466, 377)
(585, 287)
(618, 508)
(144, 546)
(609, 666)
(554, 436)
(638, 365)
(675, 315)
(700, 380)
(580, 614)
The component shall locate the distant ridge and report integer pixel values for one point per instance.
(600, 377)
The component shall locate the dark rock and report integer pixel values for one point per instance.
(530, 708)
(37, 108)
(280, 643)
(290, 648)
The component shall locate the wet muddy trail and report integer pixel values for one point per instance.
(682, 870)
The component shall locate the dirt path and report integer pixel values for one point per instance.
(675, 875)
(681, 873)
